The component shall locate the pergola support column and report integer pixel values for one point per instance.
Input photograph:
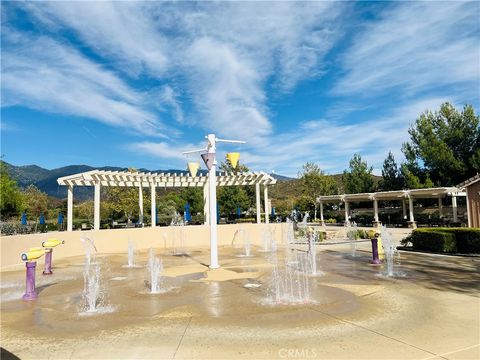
(454, 209)
(257, 197)
(376, 222)
(70, 208)
(140, 205)
(265, 199)
(153, 207)
(440, 207)
(469, 215)
(411, 223)
(96, 206)
(347, 213)
(404, 208)
(322, 221)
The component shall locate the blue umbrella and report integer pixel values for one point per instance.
(239, 211)
(60, 218)
(273, 210)
(24, 218)
(156, 216)
(42, 219)
(187, 216)
(218, 213)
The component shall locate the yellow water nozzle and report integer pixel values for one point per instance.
(50, 243)
(193, 167)
(233, 158)
(33, 254)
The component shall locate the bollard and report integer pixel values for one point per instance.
(375, 259)
(30, 293)
(49, 245)
(31, 254)
(48, 262)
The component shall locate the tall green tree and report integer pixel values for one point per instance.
(415, 177)
(444, 146)
(231, 197)
(359, 178)
(225, 166)
(392, 178)
(194, 196)
(11, 200)
(315, 183)
(35, 201)
(122, 202)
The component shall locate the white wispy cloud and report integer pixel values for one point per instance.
(168, 151)
(223, 54)
(413, 47)
(124, 33)
(41, 73)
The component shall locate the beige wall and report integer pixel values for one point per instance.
(116, 241)
(473, 198)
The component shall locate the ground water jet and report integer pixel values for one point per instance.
(389, 249)
(268, 240)
(155, 268)
(290, 283)
(93, 293)
(351, 235)
(178, 246)
(241, 241)
(131, 254)
(312, 239)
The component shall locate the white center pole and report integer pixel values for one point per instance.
(212, 187)
(212, 192)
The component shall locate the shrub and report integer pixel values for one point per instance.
(445, 240)
(468, 240)
(7, 228)
(361, 234)
(321, 235)
(197, 219)
(245, 220)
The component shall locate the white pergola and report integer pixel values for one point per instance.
(400, 195)
(140, 180)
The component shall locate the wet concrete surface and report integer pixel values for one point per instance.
(353, 311)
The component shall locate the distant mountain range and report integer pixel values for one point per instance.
(46, 180)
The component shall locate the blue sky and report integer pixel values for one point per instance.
(134, 84)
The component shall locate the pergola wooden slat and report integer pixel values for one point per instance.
(99, 178)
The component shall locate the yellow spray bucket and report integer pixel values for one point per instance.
(33, 254)
(193, 168)
(50, 243)
(233, 158)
